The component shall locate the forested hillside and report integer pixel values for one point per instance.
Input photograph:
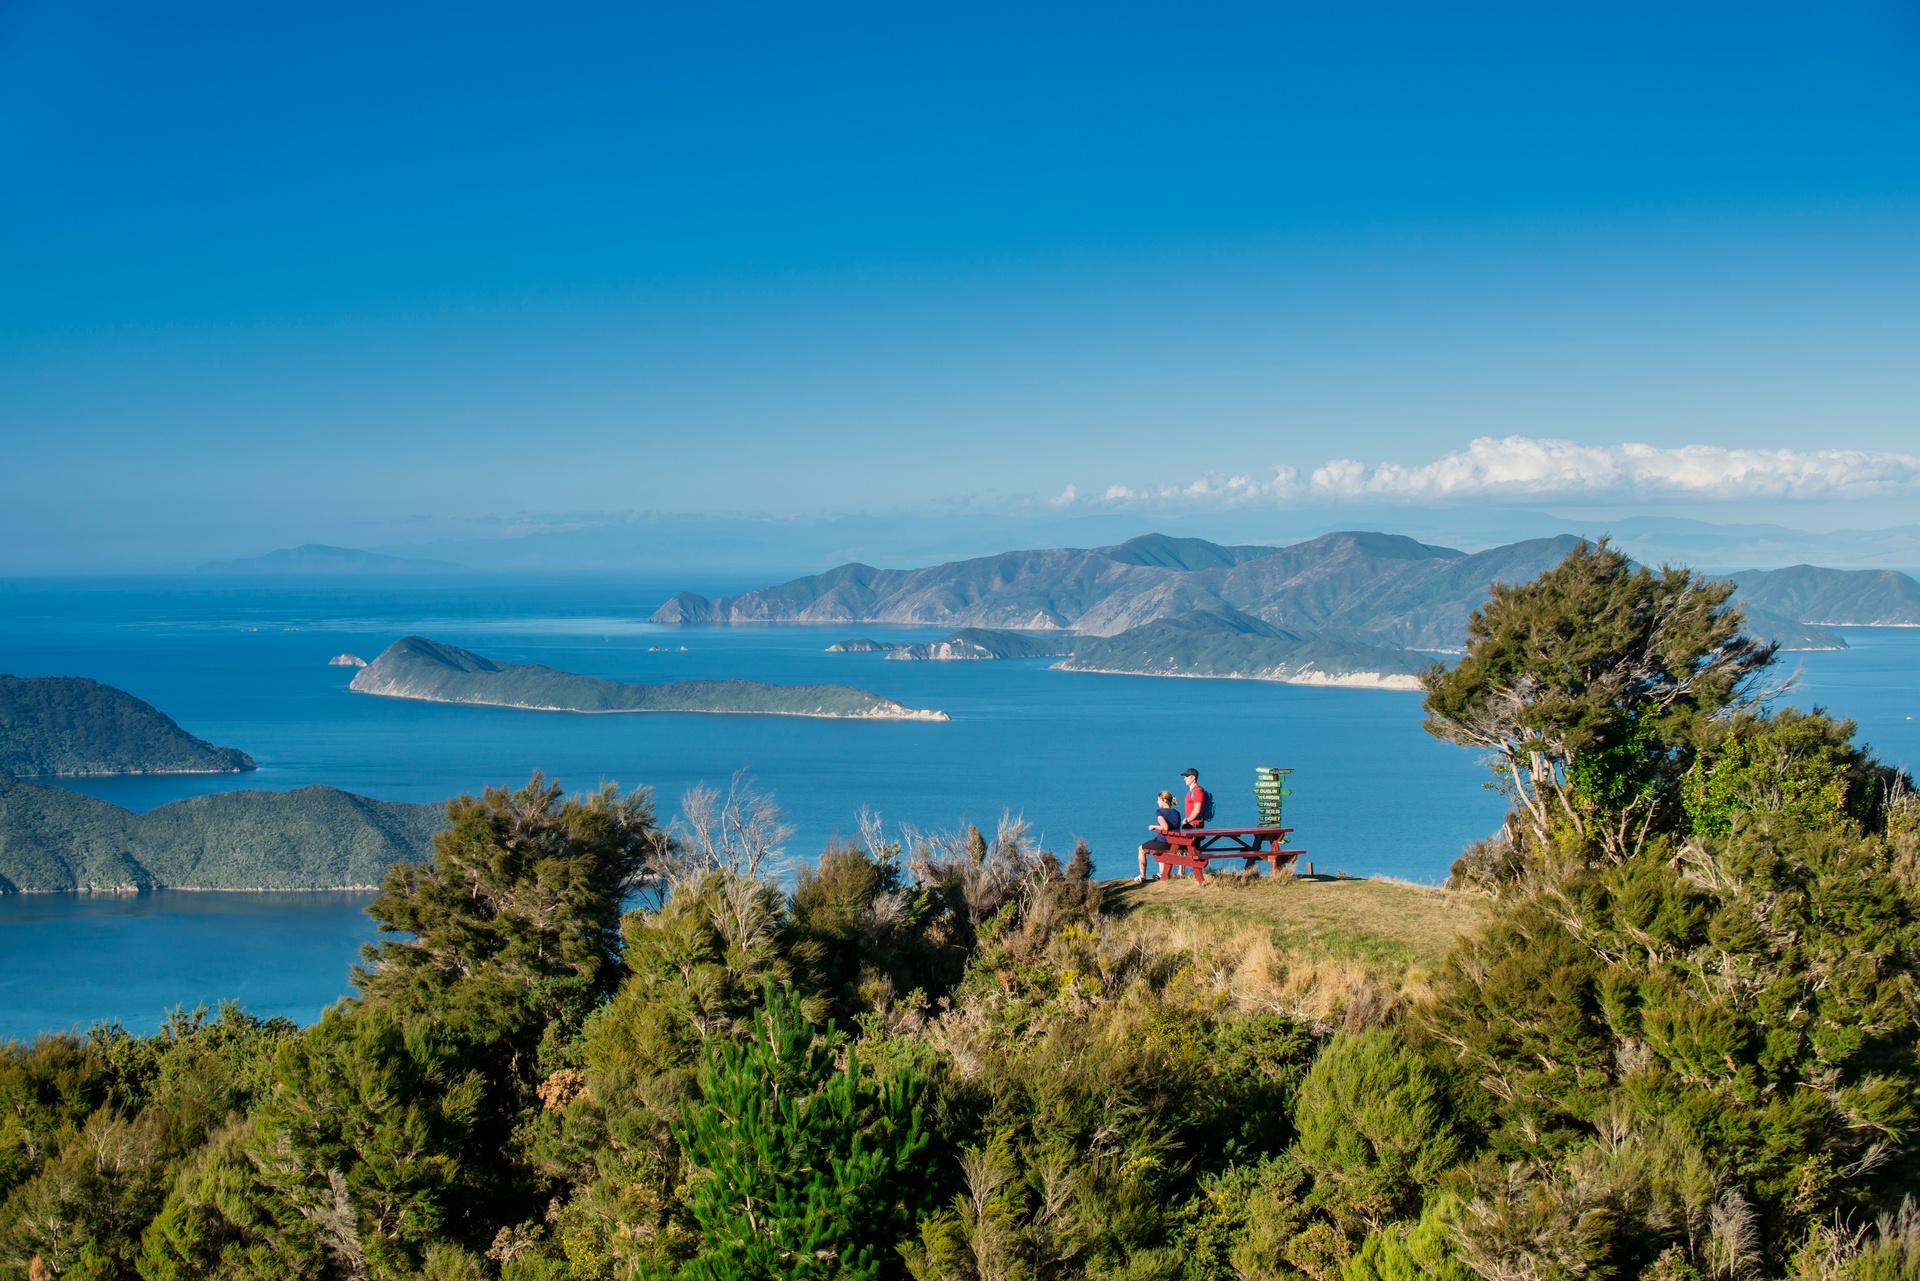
(70, 725)
(308, 838)
(1665, 1026)
(1882, 597)
(1228, 643)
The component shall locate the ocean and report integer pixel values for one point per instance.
(244, 664)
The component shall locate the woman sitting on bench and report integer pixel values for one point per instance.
(1165, 819)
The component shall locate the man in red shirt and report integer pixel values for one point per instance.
(1191, 815)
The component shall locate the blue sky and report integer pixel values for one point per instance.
(346, 274)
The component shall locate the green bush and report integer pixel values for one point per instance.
(800, 1168)
(1374, 1127)
(1761, 992)
(1802, 765)
(1421, 1251)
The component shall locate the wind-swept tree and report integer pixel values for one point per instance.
(523, 885)
(1589, 687)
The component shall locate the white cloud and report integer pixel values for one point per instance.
(1065, 497)
(1213, 488)
(1526, 467)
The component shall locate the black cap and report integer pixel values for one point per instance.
(1189, 772)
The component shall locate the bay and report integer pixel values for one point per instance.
(68, 961)
(245, 664)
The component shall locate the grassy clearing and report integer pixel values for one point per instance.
(1376, 922)
(1339, 952)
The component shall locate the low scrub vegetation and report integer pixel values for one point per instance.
(1665, 1025)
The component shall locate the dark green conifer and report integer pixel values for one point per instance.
(804, 1167)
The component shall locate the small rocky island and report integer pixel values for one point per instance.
(966, 644)
(416, 667)
(346, 660)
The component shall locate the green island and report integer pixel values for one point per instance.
(1664, 1025)
(310, 838)
(415, 667)
(68, 725)
(1228, 643)
(1219, 642)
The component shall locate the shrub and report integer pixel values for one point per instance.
(801, 1169)
(1802, 765)
(1762, 992)
(1374, 1127)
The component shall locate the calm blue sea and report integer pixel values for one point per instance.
(245, 664)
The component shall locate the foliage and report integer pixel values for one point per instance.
(1760, 992)
(866, 939)
(1888, 1251)
(1681, 1044)
(93, 1130)
(523, 885)
(1374, 1127)
(1804, 765)
(801, 1168)
(1588, 688)
(360, 1144)
(1423, 1250)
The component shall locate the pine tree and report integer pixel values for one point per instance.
(803, 1169)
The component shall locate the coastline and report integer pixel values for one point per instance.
(134, 891)
(1393, 682)
(132, 773)
(905, 714)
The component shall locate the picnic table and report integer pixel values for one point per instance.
(1195, 847)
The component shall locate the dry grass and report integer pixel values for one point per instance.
(1342, 953)
(1371, 921)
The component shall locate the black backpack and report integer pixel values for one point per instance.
(1206, 807)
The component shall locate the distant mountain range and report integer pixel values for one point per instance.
(311, 838)
(319, 559)
(732, 545)
(68, 725)
(1354, 607)
(416, 667)
(1383, 587)
(1722, 548)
